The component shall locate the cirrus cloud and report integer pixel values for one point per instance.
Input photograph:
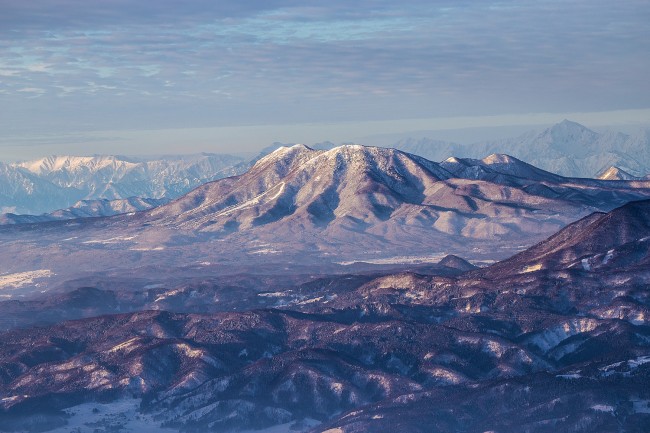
(131, 64)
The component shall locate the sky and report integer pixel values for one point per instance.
(166, 76)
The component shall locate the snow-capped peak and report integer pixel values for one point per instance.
(499, 158)
(616, 173)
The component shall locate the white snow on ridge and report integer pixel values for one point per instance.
(114, 240)
(248, 203)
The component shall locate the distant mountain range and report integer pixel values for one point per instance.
(567, 148)
(299, 206)
(58, 182)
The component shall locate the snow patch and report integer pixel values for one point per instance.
(265, 251)
(550, 338)
(603, 408)
(273, 294)
(252, 202)
(189, 351)
(630, 365)
(127, 345)
(311, 301)
(124, 413)
(532, 268)
(569, 376)
(609, 256)
(158, 248)
(446, 375)
(20, 279)
(115, 240)
(398, 260)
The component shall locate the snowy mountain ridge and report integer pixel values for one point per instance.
(55, 182)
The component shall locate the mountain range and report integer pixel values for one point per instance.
(348, 206)
(567, 148)
(544, 341)
(58, 182)
(334, 291)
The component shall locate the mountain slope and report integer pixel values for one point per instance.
(597, 235)
(316, 187)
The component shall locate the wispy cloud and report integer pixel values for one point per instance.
(133, 64)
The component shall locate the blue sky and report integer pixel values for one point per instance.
(116, 76)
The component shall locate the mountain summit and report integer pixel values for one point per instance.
(352, 184)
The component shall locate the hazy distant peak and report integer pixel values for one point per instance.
(566, 123)
(568, 132)
(569, 125)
